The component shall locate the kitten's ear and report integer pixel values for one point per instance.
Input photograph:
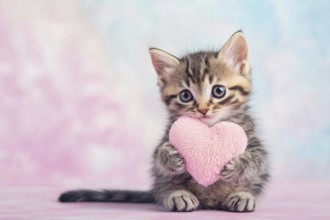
(235, 51)
(163, 62)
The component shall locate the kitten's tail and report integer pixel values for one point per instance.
(107, 196)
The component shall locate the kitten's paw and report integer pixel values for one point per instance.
(240, 202)
(171, 158)
(231, 170)
(181, 201)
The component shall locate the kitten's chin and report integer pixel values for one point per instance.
(210, 121)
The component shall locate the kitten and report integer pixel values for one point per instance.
(212, 86)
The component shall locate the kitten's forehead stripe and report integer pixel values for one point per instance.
(197, 66)
(210, 78)
(206, 61)
(187, 82)
(189, 71)
(187, 66)
(206, 67)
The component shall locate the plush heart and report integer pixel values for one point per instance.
(206, 150)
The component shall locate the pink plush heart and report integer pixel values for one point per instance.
(206, 150)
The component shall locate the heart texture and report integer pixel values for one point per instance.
(207, 150)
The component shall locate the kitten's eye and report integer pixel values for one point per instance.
(186, 96)
(218, 91)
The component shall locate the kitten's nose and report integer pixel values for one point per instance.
(203, 111)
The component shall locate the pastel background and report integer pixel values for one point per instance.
(79, 106)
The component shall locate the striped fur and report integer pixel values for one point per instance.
(106, 196)
(243, 178)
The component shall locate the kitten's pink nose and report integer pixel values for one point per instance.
(203, 111)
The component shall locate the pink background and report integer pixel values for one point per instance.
(64, 119)
(79, 106)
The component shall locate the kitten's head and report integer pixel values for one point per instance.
(208, 85)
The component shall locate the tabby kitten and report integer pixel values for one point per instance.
(212, 86)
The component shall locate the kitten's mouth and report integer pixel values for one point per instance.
(201, 116)
(205, 117)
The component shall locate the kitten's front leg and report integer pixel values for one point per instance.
(168, 160)
(246, 166)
